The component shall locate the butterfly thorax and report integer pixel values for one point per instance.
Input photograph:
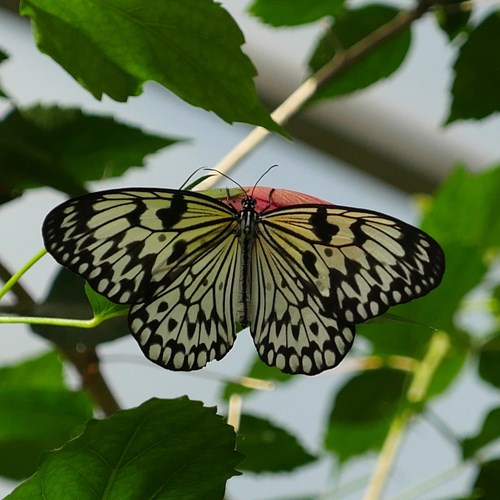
(248, 219)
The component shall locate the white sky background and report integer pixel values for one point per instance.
(418, 93)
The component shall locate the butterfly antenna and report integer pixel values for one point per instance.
(262, 176)
(192, 175)
(227, 177)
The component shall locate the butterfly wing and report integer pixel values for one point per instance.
(320, 269)
(171, 254)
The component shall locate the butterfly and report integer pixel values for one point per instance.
(193, 267)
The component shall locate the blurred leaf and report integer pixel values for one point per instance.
(64, 148)
(363, 411)
(269, 448)
(489, 433)
(161, 449)
(466, 209)
(350, 27)
(489, 361)
(286, 13)
(486, 484)
(191, 47)
(258, 370)
(451, 18)
(476, 88)
(67, 299)
(47, 367)
(37, 413)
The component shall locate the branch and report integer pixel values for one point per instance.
(338, 65)
(422, 378)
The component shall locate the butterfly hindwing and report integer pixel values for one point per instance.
(171, 254)
(327, 268)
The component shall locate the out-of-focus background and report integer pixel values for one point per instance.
(374, 149)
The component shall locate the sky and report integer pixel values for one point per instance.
(302, 406)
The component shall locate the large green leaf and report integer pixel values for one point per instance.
(269, 448)
(350, 27)
(286, 13)
(191, 47)
(476, 88)
(37, 413)
(161, 449)
(362, 413)
(64, 148)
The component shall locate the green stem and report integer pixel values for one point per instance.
(74, 323)
(422, 378)
(15, 277)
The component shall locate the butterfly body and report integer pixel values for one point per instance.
(300, 276)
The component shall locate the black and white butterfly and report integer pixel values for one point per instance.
(192, 267)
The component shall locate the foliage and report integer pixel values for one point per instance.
(180, 448)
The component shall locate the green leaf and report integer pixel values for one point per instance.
(64, 148)
(286, 13)
(489, 361)
(476, 88)
(37, 413)
(258, 370)
(466, 209)
(452, 19)
(101, 306)
(269, 448)
(362, 413)
(489, 433)
(350, 27)
(486, 484)
(161, 449)
(48, 370)
(67, 299)
(191, 47)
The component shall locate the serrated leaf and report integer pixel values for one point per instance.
(362, 413)
(286, 13)
(489, 361)
(191, 47)
(350, 27)
(466, 209)
(102, 307)
(269, 448)
(476, 88)
(258, 370)
(161, 449)
(37, 413)
(489, 433)
(64, 148)
(67, 299)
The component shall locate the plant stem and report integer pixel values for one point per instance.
(422, 378)
(15, 277)
(297, 100)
